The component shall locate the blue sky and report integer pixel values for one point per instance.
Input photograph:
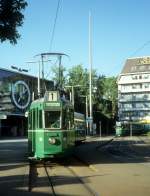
(119, 28)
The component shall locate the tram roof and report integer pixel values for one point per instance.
(52, 54)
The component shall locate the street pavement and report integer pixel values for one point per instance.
(116, 166)
(13, 167)
(120, 168)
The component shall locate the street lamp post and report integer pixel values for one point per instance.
(72, 95)
(72, 91)
(86, 108)
(90, 76)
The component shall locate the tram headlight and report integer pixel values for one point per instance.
(52, 140)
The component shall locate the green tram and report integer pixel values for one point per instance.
(51, 127)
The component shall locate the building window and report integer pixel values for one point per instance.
(134, 77)
(146, 85)
(145, 96)
(122, 97)
(134, 86)
(124, 87)
(133, 97)
(133, 68)
(133, 105)
(146, 76)
(141, 68)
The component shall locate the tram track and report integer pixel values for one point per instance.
(131, 149)
(59, 175)
(92, 192)
(50, 180)
(38, 177)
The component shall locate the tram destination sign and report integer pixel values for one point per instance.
(52, 104)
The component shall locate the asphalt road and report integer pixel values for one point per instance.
(13, 167)
(120, 168)
(117, 168)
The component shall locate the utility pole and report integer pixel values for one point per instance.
(86, 103)
(60, 73)
(39, 86)
(90, 76)
(72, 92)
(72, 96)
(43, 85)
(86, 111)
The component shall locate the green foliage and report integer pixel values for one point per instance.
(77, 75)
(108, 101)
(59, 76)
(111, 91)
(98, 85)
(11, 18)
(104, 94)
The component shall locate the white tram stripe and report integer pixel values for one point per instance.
(12, 140)
(47, 131)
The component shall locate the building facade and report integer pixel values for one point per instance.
(134, 92)
(17, 90)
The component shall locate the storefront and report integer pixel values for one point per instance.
(17, 90)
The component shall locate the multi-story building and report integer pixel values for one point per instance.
(134, 91)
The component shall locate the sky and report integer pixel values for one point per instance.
(120, 29)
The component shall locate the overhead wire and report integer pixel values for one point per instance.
(137, 50)
(54, 64)
(140, 48)
(53, 32)
(55, 21)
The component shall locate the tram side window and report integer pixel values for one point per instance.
(34, 120)
(40, 120)
(68, 119)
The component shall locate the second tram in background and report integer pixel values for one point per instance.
(53, 126)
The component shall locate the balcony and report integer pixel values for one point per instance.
(133, 109)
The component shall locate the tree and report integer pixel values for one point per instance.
(59, 75)
(98, 93)
(104, 93)
(78, 76)
(111, 92)
(105, 96)
(11, 17)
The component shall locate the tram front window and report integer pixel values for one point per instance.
(52, 120)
